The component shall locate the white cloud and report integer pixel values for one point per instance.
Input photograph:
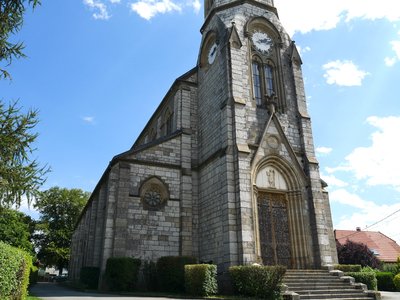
(28, 208)
(379, 163)
(368, 213)
(390, 61)
(323, 150)
(100, 8)
(196, 6)
(333, 181)
(343, 73)
(115, 1)
(147, 9)
(88, 119)
(300, 16)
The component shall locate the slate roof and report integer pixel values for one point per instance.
(386, 249)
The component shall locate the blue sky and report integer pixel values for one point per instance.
(97, 69)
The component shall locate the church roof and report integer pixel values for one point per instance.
(386, 249)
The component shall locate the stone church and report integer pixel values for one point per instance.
(225, 169)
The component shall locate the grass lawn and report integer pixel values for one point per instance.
(32, 298)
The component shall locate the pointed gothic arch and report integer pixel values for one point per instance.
(266, 62)
(281, 229)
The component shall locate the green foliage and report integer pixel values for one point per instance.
(385, 281)
(396, 282)
(16, 229)
(15, 265)
(33, 275)
(122, 273)
(201, 280)
(392, 268)
(356, 253)
(60, 209)
(348, 268)
(89, 277)
(367, 278)
(369, 270)
(258, 281)
(171, 272)
(19, 174)
(150, 275)
(11, 19)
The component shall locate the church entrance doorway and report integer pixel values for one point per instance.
(273, 224)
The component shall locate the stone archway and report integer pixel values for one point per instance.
(280, 208)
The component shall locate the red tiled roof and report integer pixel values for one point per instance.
(387, 248)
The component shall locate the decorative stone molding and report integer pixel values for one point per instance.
(153, 193)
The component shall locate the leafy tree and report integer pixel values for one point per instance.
(16, 229)
(19, 174)
(11, 20)
(353, 253)
(60, 209)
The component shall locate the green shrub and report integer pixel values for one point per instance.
(348, 268)
(367, 278)
(201, 280)
(385, 281)
(122, 273)
(33, 275)
(171, 272)
(150, 276)
(396, 282)
(258, 281)
(15, 266)
(89, 277)
(392, 268)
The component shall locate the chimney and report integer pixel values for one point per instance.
(358, 228)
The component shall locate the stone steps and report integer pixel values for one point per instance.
(321, 284)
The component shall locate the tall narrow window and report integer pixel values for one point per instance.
(269, 81)
(169, 123)
(152, 135)
(257, 89)
(263, 81)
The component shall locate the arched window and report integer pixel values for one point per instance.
(265, 48)
(263, 80)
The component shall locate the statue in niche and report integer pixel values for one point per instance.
(271, 178)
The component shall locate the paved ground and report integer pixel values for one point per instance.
(54, 291)
(390, 295)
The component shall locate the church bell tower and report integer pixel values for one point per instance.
(260, 196)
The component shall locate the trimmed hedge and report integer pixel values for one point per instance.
(258, 281)
(15, 267)
(150, 276)
(367, 278)
(122, 273)
(201, 280)
(171, 272)
(385, 281)
(33, 275)
(396, 282)
(89, 277)
(348, 268)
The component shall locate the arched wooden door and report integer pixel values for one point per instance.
(273, 224)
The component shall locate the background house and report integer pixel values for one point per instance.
(386, 249)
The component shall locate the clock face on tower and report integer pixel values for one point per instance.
(262, 41)
(212, 52)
